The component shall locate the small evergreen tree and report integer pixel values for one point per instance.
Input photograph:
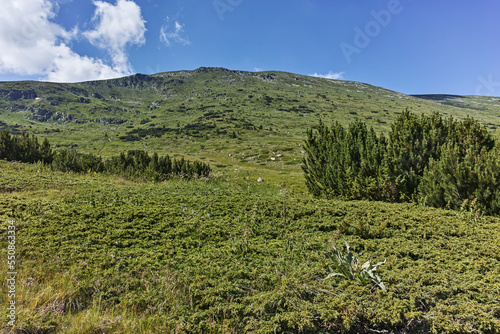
(134, 163)
(426, 158)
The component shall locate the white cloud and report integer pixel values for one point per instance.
(330, 75)
(71, 67)
(31, 43)
(168, 37)
(117, 26)
(257, 69)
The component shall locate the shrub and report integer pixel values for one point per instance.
(426, 157)
(346, 164)
(24, 148)
(71, 161)
(135, 163)
(457, 177)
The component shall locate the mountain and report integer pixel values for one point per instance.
(246, 124)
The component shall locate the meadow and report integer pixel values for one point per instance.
(100, 254)
(103, 253)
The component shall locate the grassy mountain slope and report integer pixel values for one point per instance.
(195, 113)
(104, 254)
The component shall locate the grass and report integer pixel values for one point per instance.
(103, 254)
(191, 103)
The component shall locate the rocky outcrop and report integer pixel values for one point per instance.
(41, 114)
(82, 100)
(63, 117)
(268, 77)
(77, 91)
(17, 94)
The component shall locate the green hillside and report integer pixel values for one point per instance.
(109, 252)
(245, 124)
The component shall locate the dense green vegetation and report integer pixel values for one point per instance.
(428, 159)
(135, 163)
(24, 148)
(102, 249)
(99, 254)
(237, 121)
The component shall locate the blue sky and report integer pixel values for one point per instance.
(413, 47)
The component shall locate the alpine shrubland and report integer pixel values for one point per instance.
(390, 227)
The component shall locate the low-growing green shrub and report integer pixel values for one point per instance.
(69, 160)
(136, 163)
(209, 257)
